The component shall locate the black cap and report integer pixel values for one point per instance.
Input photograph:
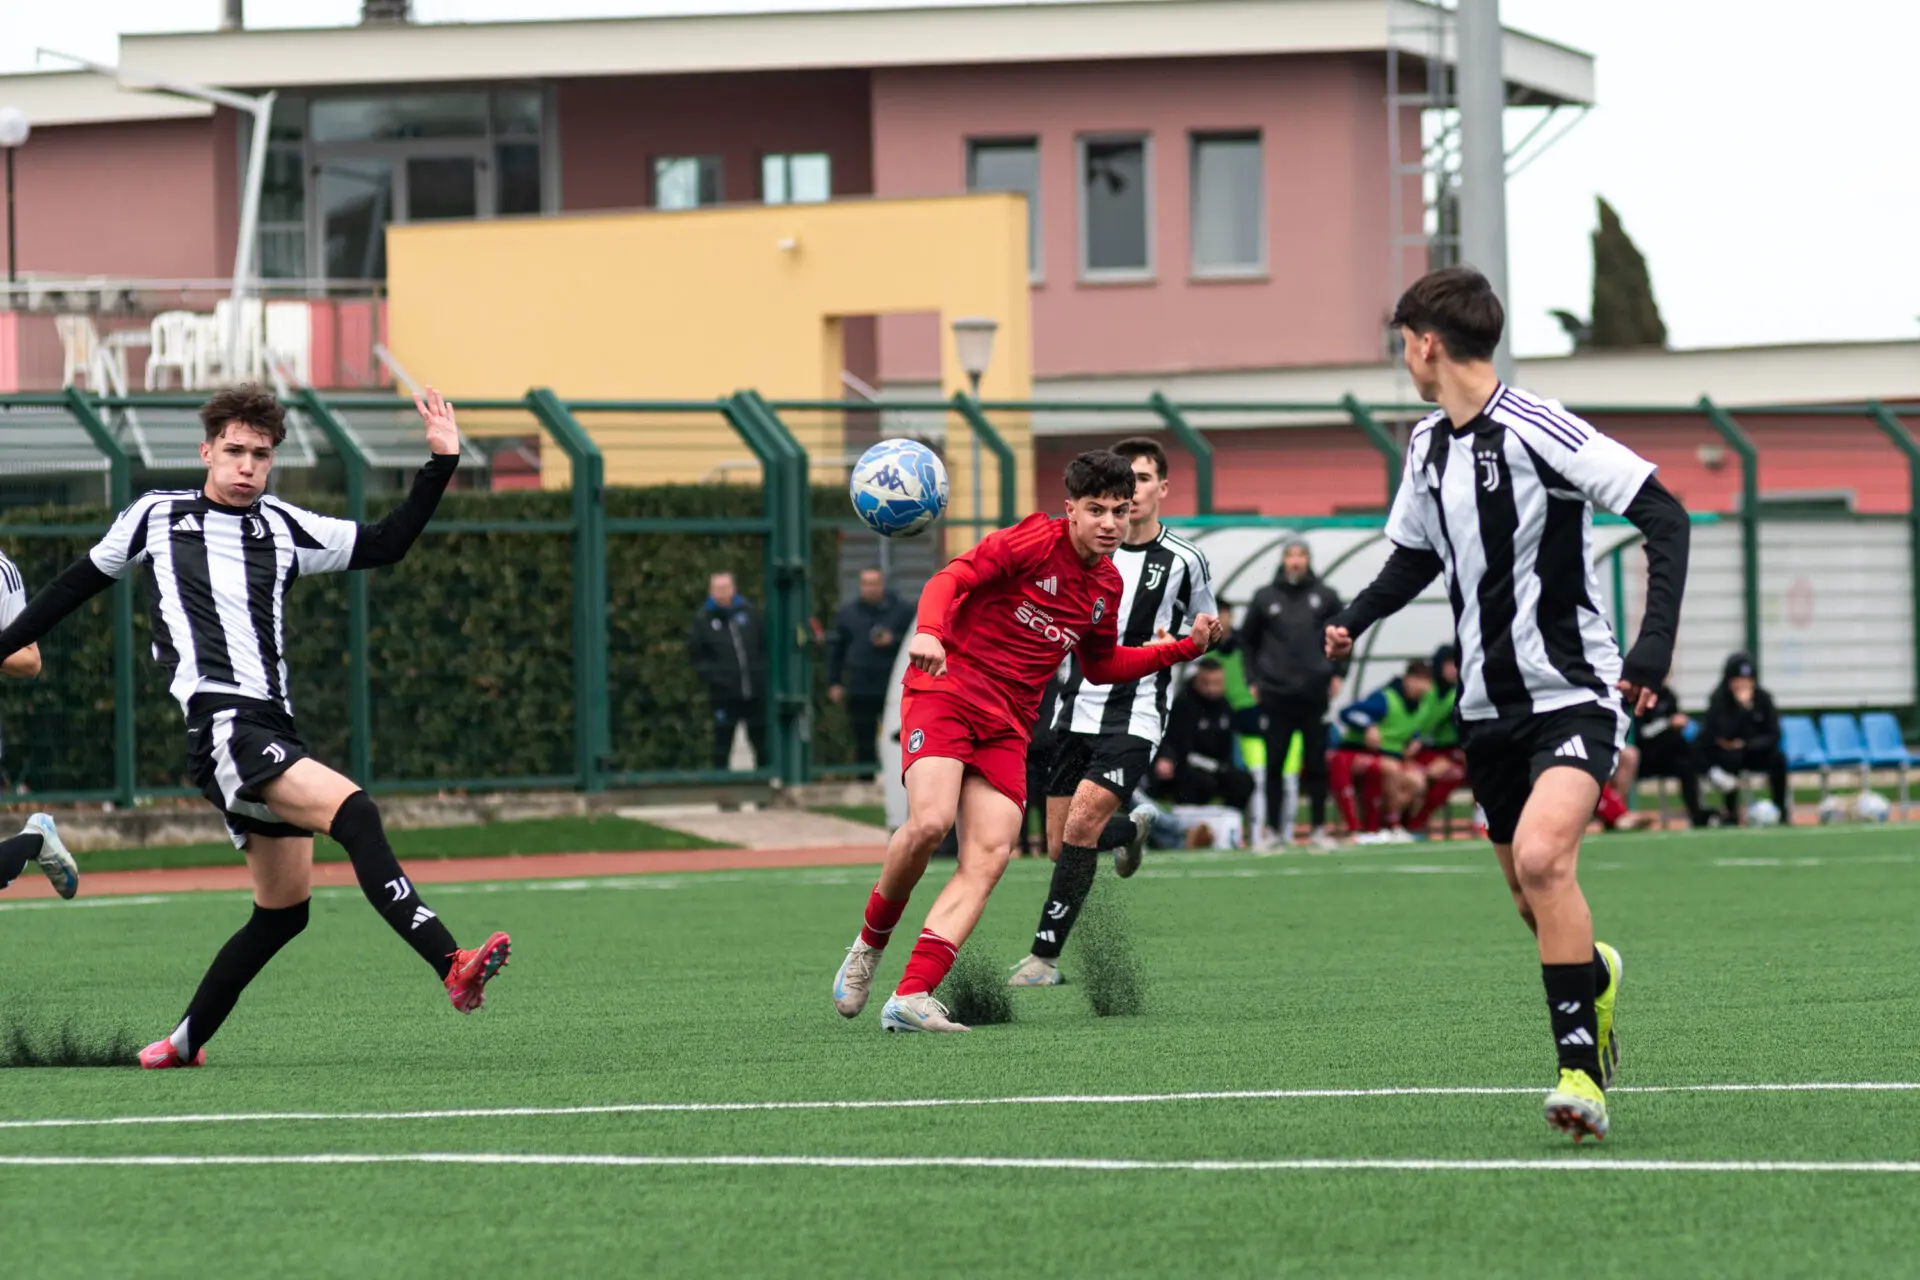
(1739, 664)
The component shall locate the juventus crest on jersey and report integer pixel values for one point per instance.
(1507, 501)
(1165, 582)
(218, 585)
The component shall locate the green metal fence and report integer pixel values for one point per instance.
(590, 714)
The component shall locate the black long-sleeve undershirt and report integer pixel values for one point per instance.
(1400, 581)
(1668, 533)
(387, 541)
(72, 587)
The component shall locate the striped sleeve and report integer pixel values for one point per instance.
(125, 545)
(1199, 584)
(1606, 472)
(13, 592)
(321, 544)
(1406, 521)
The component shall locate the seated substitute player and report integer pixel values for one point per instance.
(1379, 733)
(1498, 497)
(39, 840)
(993, 626)
(1199, 762)
(1106, 734)
(1438, 754)
(220, 560)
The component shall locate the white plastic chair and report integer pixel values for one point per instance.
(249, 352)
(175, 347)
(289, 340)
(80, 352)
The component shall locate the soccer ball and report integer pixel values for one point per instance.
(1833, 809)
(1763, 813)
(1871, 806)
(899, 488)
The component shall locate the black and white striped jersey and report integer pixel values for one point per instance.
(13, 591)
(1506, 501)
(217, 585)
(1165, 582)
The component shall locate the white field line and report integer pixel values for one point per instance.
(907, 1104)
(1598, 1164)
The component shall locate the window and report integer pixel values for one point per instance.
(1228, 205)
(1115, 209)
(1012, 164)
(686, 182)
(796, 179)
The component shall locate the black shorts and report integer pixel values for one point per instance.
(232, 754)
(1506, 757)
(1116, 761)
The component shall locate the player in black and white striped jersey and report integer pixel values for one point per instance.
(1106, 735)
(39, 841)
(1498, 496)
(220, 560)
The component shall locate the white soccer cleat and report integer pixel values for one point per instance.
(1320, 842)
(1036, 971)
(855, 979)
(1126, 859)
(53, 857)
(919, 1012)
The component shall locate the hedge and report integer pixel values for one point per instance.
(470, 648)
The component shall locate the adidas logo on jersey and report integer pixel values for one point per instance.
(1050, 585)
(188, 523)
(421, 915)
(1573, 749)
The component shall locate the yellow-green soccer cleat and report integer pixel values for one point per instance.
(1603, 1010)
(1577, 1105)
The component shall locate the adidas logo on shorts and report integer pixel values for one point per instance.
(1573, 749)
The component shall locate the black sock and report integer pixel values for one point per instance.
(245, 954)
(358, 829)
(1072, 879)
(16, 853)
(1570, 993)
(1117, 833)
(1602, 976)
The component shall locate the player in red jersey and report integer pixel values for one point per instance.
(993, 627)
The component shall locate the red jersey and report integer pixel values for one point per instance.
(1008, 610)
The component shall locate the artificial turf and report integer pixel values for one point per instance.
(482, 840)
(1771, 957)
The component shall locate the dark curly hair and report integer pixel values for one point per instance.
(1100, 473)
(249, 404)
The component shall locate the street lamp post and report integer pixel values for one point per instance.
(973, 340)
(13, 134)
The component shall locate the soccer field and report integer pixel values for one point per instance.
(1338, 1072)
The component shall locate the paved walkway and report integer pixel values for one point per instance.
(761, 828)
(548, 866)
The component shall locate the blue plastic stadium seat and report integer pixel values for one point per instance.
(1801, 744)
(1840, 735)
(1887, 748)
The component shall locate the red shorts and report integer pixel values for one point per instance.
(1452, 755)
(940, 724)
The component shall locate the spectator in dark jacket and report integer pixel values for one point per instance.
(1284, 638)
(866, 638)
(728, 648)
(1661, 734)
(1743, 732)
(1197, 763)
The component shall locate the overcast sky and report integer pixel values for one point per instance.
(1760, 153)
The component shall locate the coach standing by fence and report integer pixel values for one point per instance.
(728, 647)
(867, 633)
(1288, 669)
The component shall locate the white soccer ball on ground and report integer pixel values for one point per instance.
(899, 487)
(1833, 809)
(1763, 813)
(1871, 806)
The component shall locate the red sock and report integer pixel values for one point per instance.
(880, 919)
(1612, 807)
(927, 967)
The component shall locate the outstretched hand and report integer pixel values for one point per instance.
(1207, 630)
(443, 433)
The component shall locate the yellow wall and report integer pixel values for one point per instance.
(702, 303)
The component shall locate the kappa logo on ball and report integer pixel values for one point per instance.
(916, 740)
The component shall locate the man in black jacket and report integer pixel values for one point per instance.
(1284, 638)
(867, 634)
(1661, 732)
(727, 644)
(1743, 732)
(1196, 764)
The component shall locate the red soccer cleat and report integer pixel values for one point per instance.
(472, 970)
(161, 1054)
